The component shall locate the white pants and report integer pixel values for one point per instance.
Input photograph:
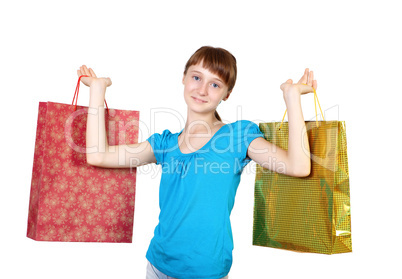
(153, 273)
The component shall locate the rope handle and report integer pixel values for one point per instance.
(315, 106)
(77, 89)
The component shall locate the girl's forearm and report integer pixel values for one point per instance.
(96, 140)
(298, 145)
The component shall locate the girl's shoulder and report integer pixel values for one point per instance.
(159, 141)
(244, 125)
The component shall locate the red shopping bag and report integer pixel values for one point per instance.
(71, 200)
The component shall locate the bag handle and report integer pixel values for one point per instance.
(77, 89)
(315, 106)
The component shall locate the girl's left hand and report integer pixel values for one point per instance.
(304, 86)
(91, 77)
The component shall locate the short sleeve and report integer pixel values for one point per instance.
(250, 132)
(158, 143)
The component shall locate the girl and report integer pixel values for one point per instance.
(201, 165)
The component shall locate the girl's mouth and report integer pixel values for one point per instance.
(198, 100)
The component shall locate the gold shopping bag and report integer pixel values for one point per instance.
(309, 214)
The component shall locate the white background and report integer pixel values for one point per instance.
(354, 48)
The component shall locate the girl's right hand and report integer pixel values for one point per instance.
(306, 84)
(92, 78)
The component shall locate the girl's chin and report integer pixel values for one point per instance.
(197, 109)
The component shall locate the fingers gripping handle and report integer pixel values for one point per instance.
(77, 89)
(315, 106)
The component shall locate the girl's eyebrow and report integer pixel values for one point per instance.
(198, 72)
(195, 71)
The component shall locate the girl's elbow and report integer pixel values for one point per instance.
(94, 160)
(305, 172)
(302, 172)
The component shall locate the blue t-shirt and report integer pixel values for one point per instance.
(197, 191)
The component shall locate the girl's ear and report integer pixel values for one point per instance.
(227, 96)
(184, 76)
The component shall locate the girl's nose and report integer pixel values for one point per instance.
(203, 90)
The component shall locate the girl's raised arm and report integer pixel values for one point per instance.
(296, 160)
(98, 151)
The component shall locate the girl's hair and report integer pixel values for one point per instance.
(218, 61)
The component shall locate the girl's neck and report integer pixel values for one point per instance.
(201, 123)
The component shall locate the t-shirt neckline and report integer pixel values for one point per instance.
(197, 151)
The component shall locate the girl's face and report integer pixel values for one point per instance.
(203, 90)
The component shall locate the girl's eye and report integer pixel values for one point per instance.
(214, 85)
(196, 78)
